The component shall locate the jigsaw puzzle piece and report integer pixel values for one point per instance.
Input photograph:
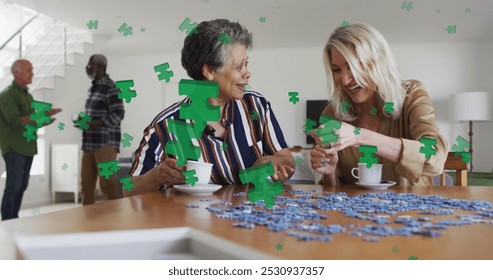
(182, 148)
(264, 189)
(199, 110)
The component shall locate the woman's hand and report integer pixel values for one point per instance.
(282, 171)
(347, 137)
(169, 173)
(323, 161)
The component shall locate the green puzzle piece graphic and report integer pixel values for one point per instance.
(466, 156)
(40, 113)
(293, 97)
(30, 133)
(225, 39)
(373, 111)
(199, 110)
(462, 145)
(125, 91)
(164, 72)
(357, 130)
(108, 168)
(345, 106)
(127, 183)
(224, 146)
(188, 26)
(126, 140)
(254, 115)
(125, 29)
(407, 6)
(182, 147)
(428, 150)
(369, 155)
(326, 132)
(389, 107)
(190, 177)
(345, 23)
(451, 29)
(83, 121)
(309, 125)
(61, 126)
(264, 189)
(36, 211)
(92, 24)
(297, 161)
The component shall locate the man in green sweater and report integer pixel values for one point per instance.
(17, 151)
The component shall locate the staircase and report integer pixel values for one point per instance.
(48, 44)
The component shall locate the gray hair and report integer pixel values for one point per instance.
(16, 65)
(204, 47)
(372, 64)
(99, 59)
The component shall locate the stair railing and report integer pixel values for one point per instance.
(62, 60)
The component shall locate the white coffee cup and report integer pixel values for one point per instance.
(372, 175)
(202, 170)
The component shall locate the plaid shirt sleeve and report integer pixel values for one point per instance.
(115, 106)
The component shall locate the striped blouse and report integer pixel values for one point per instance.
(252, 131)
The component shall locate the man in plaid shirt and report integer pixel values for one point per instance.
(101, 141)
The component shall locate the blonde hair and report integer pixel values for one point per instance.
(372, 65)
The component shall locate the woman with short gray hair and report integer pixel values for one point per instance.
(247, 133)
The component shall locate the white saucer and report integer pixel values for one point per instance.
(198, 189)
(381, 186)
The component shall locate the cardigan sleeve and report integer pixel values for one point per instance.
(419, 121)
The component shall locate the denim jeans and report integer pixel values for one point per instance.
(18, 168)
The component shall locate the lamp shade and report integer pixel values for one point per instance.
(470, 106)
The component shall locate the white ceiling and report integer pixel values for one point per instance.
(288, 23)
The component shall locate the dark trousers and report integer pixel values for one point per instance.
(18, 168)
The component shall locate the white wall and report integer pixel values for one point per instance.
(446, 69)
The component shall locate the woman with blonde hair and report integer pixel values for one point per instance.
(377, 109)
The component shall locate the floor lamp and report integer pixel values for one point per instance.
(470, 106)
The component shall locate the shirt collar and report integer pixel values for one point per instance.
(100, 81)
(18, 87)
(227, 118)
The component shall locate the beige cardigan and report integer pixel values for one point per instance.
(417, 120)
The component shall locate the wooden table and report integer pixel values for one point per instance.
(167, 209)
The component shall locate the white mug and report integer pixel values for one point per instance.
(202, 170)
(372, 175)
